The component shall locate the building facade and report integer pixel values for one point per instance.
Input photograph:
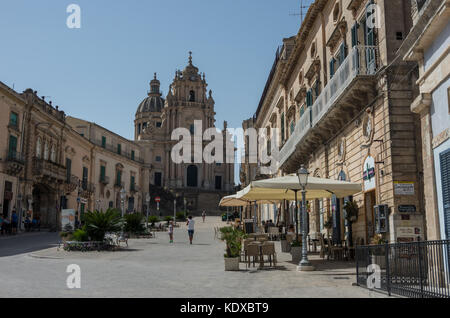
(50, 162)
(428, 45)
(340, 98)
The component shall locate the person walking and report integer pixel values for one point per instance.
(190, 224)
(14, 221)
(204, 216)
(171, 232)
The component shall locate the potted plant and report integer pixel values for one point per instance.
(233, 240)
(296, 251)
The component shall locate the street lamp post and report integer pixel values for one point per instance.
(304, 265)
(122, 198)
(147, 199)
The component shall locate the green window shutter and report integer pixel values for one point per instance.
(103, 142)
(102, 173)
(342, 54)
(309, 98)
(12, 145)
(282, 126)
(355, 35)
(13, 119)
(332, 63)
(119, 149)
(119, 177)
(68, 168)
(302, 111)
(132, 154)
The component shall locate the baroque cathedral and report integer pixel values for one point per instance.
(188, 100)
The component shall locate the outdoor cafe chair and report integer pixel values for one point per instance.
(252, 251)
(274, 232)
(268, 248)
(245, 244)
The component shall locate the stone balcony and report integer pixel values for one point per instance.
(48, 172)
(15, 162)
(87, 189)
(350, 90)
(71, 183)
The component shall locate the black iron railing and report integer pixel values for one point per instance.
(15, 157)
(416, 269)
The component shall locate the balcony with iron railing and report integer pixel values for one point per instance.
(351, 85)
(134, 188)
(104, 180)
(14, 156)
(87, 188)
(118, 184)
(113, 148)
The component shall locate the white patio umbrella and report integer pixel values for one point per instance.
(233, 201)
(284, 188)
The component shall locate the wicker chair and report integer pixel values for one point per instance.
(252, 251)
(268, 248)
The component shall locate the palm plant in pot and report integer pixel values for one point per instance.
(233, 241)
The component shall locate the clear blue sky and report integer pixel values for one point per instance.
(101, 71)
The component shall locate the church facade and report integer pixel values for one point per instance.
(188, 101)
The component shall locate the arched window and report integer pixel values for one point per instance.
(192, 176)
(53, 154)
(46, 150)
(192, 96)
(38, 147)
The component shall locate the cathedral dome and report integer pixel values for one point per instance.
(154, 102)
(151, 104)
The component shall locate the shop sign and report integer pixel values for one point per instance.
(369, 174)
(407, 208)
(403, 188)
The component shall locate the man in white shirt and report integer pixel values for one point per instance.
(190, 224)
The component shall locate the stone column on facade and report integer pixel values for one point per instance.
(421, 106)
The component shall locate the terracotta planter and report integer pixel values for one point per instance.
(231, 264)
(296, 253)
(285, 246)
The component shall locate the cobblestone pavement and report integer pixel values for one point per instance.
(155, 268)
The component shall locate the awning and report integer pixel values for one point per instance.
(233, 201)
(282, 188)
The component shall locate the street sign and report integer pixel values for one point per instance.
(157, 199)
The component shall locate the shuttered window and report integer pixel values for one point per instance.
(445, 179)
(102, 173)
(355, 35)
(309, 98)
(332, 64)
